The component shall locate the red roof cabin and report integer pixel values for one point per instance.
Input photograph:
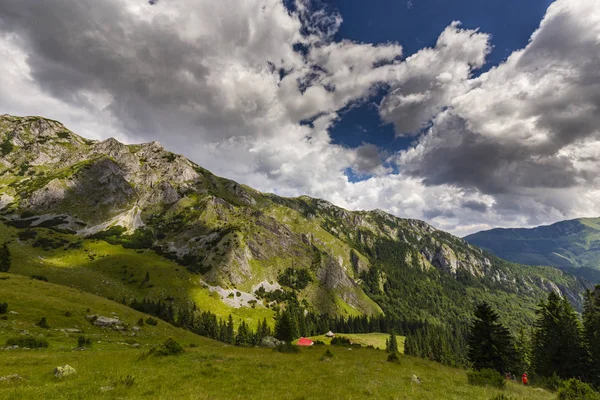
(305, 342)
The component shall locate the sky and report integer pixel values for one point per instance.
(466, 114)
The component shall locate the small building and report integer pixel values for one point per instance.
(305, 342)
(330, 334)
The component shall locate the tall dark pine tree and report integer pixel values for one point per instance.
(4, 258)
(286, 328)
(490, 343)
(557, 345)
(591, 332)
(392, 343)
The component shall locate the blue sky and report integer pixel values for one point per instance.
(518, 146)
(416, 24)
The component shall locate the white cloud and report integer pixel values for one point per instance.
(219, 82)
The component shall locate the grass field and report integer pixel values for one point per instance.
(211, 370)
(376, 340)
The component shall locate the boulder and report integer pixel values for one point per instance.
(72, 330)
(270, 342)
(61, 372)
(416, 379)
(10, 378)
(106, 321)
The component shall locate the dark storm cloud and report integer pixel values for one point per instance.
(475, 205)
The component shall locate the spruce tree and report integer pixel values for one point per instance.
(285, 327)
(490, 343)
(4, 258)
(229, 335)
(392, 343)
(557, 343)
(591, 329)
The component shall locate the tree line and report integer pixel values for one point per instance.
(560, 345)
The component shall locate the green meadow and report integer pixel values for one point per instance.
(114, 366)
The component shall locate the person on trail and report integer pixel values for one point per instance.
(524, 378)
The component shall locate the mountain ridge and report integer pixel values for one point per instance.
(572, 245)
(233, 239)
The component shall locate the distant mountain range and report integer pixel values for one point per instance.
(572, 245)
(70, 205)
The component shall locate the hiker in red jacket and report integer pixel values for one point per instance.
(524, 379)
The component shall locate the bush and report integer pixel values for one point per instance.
(486, 377)
(82, 341)
(393, 358)
(43, 323)
(29, 342)
(169, 348)
(3, 308)
(328, 355)
(286, 348)
(39, 278)
(340, 341)
(502, 396)
(551, 383)
(574, 389)
(140, 322)
(151, 321)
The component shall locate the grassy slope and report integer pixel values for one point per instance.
(211, 370)
(97, 268)
(374, 339)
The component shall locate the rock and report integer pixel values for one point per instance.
(135, 345)
(106, 321)
(270, 342)
(416, 379)
(106, 388)
(61, 372)
(72, 330)
(91, 317)
(136, 328)
(10, 378)
(13, 312)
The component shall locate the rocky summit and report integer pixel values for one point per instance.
(239, 243)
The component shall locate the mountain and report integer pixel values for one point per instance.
(134, 221)
(572, 245)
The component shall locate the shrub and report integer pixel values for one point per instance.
(486, 377)
(341, 341)
(27, 341)
(151, 321)
(286, 348)
(140, 322)
(551, 383)
(502, 396)
(128, 381)
(393, 358)
(318, 343)
(327, 355)
(3, 308)
(574, 389)
(67, 314)
(39, 278)
(169, 348)
(82, 341)
(43, 323)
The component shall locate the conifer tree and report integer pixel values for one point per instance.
(591, 329)
(490, 343)
(557, 339)
(285, 327)
(392, 343)
(5, 260)
(229, 336)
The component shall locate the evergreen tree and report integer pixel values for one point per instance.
(490, 343)
(285, 327)
(229, 335)
(591, 329)
(5, 260)
(392, 343)
(557, 339)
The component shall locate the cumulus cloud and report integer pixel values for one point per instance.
(232, 85)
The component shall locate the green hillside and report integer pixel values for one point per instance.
(112, 368)
(570, 245)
